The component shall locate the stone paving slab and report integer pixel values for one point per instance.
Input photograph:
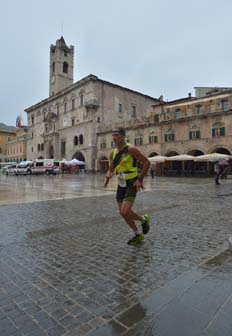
(65, 267)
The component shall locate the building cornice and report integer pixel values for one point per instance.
(80, 83)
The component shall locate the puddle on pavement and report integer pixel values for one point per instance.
(219, 259)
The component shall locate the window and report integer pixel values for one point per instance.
(81, 100)
(38, 147)
(194, 135)
(219, 131)
(73, 104)
(199, 109)
(81, 139)
(153, 139)
(65, 107)
(39, 164)
(65, 67)
(178, 113)
(42, 147)
(32, 120)
(169, 137)
(75, 140)
(103, 145)
(119, 108)
(98, 119)
(32, 149)
(57, 109)
(73, 121)
(133, 111)
(63, 148)
(32, 134)
(225, 104)
(53, 67)
(138, 141)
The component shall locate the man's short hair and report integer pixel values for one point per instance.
(119, 130)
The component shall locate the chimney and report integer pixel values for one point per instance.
(189, 95)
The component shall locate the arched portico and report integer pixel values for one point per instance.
(78, 156)
(153, 154)
(195, 152)
(221, 150)
(171, 153)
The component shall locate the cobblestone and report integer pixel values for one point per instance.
(65, 266)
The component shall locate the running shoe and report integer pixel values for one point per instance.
(136, 239)
(146, 224)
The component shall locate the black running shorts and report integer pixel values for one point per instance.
(127, 193)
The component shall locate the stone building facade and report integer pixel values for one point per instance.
(193, 125)
(67, 123)
(5, 137)
(17, 147)
(196, 126)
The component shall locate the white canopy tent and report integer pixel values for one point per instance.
(75, 162)
(212, 157)
(181, 157)
(157, 159)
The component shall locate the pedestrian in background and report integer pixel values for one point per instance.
(217, 171)
(152, 170)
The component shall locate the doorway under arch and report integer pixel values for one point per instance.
(51, 152)
(103, 164)
(78, 156)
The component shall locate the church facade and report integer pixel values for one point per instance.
(69, 122)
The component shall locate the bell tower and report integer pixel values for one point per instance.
(61, 66)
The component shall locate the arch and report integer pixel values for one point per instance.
(195, 152)
(78, 156)
(103, 164)
(221, 150)
(40, 157)
(65, 67)
(171, 153)
(153, 154)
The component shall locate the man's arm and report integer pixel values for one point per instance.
(110, 171)
(146, 165)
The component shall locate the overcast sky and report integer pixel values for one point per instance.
(157, 47)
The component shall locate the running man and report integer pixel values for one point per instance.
(123, 161)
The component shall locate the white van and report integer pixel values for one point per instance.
(23, 168)
(45, 166)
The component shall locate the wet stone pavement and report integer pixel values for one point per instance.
(65, 267)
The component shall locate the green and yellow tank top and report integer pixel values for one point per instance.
(126, 165)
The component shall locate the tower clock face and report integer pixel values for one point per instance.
(53, 79)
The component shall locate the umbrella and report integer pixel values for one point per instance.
(223, 163)
(75, 162)
(182, 157)
(157, 158)
(213, 157)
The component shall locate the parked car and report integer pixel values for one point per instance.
(11, 170)
(5, 165)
